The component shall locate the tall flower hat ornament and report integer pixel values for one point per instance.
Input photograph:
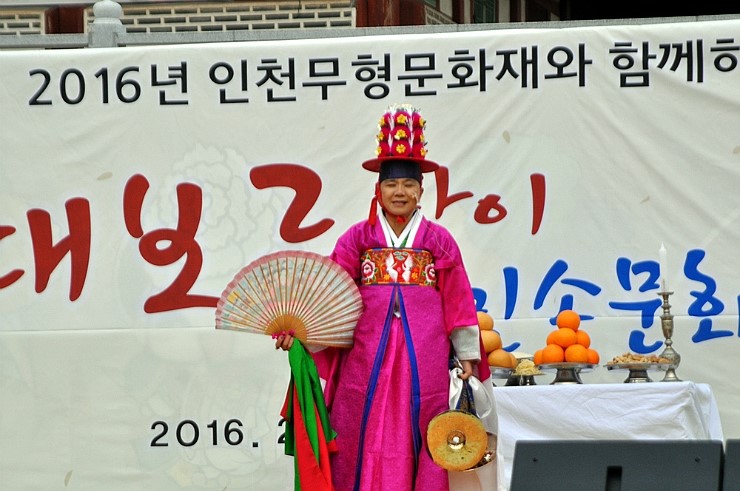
(400, 137)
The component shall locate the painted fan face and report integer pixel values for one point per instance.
(296, 291)
(400, 196)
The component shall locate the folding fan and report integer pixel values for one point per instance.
(297, 291)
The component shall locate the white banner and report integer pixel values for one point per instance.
(137, 181)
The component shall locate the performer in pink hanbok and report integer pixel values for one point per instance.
(418, 306)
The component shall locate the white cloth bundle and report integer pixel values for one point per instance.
(483, 478)
(485, 405)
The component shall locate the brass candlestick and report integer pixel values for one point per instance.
(666, 321)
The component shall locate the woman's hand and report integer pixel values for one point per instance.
(283, 340)
(467, 369)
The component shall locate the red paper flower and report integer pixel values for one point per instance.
(401, 118)
(401, 149)
(400, 133)
(419, 150)
(382, 135)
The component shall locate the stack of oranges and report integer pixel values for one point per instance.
(567, 343)
(492, 344)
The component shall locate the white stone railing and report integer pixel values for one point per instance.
(231, 16)
(19, 22)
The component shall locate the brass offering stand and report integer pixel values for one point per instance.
(500, 373)
(666, 321)
(567, 372)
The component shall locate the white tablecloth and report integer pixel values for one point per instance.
(660, 410)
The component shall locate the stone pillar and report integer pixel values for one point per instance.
(107, 25)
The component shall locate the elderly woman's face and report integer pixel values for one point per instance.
(400, 196)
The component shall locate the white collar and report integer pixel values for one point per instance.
(408, 234)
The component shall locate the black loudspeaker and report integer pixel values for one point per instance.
(617, 465)
(731, 479)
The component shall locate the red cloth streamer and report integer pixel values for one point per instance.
(315, 474)
(308, 435)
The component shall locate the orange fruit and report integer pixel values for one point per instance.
(583, 338)
(551, 337)
(513, 361)
(593, 356)
(576, 353)
(568, 319)
(537, 359)
(563, 337)
(552, 353)
(491, 340)
(485, 321)
(499, 358)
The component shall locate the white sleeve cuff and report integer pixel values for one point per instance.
(466, 342)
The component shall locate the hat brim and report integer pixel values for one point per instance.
(425, 165)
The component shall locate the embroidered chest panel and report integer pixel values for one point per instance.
(388, 266)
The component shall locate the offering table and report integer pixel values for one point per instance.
(664, 411)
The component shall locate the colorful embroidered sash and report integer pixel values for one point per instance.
(398, 267)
